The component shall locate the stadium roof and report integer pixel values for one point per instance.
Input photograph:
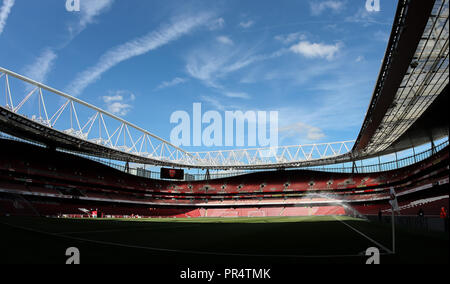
(413, 75)
(408, 108)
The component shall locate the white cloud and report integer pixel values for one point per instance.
(359, 58)
(171, 83)
(5, 9)
(41, 67)
(302, 129)
(110, 99)
(133, 48)
(246, 24)
(119, 108)
(117, 104)
(312, 50)
(225, 40)
(239, 95)
(318, 7)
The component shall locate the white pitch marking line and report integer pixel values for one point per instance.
(365, 236)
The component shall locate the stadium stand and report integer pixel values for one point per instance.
(41, 181)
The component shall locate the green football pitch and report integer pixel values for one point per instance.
(266, 240)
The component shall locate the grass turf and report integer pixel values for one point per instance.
(259, 240)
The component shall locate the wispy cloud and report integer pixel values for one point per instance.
(219, 104)
(205, 65)
(290, 38)
(209, 66)
(214, 102)
(366, 18)
(5, 9)
(43, 64)
(89, 10)
(136, 47)
(253, 59)
(118, 102)
(216, 24)
(41, 67)
(318, 7)
(171, 83)
(381, 36)
(239, 95)
(313, 50)
(345, 94)
(361, 16)
(291, 74)
(359, 58)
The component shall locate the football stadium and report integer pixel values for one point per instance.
(81, 182)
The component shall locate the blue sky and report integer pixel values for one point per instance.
(315, 62)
